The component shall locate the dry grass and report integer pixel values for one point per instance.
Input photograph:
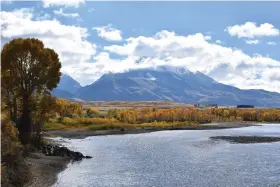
(106, 124)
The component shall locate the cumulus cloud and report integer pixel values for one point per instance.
(62, 13)
(68, 3)
(108, 33)
(252, 41)
(252, 30)
(194, 52)
(271, 43)
(70, 42)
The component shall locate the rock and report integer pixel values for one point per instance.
(54, 150)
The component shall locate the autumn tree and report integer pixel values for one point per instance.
(42, 107)
(66, 108)
(27, 68)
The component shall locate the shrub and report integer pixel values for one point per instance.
(14, 170)
(68, 121)
(92, 112)
(112, 113)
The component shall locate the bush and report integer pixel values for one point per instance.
(14, 170)
(68, 121)
(112, 113)
(92, 112)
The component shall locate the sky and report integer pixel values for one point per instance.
(236, 43)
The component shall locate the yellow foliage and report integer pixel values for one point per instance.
(67, 108)
(88, 121)
(92, 112)
(147, 115)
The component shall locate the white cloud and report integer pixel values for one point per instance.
(62, 13)
(194, 52)
(68, 3)
(251, 30)
(218, 41)
(252, 41)
(207, 37)
(108, 33)
(271, 43)
(70, 42)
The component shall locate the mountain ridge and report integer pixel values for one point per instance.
(172, 84)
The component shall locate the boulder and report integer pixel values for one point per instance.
(55, 150)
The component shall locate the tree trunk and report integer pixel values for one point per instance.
(25, 122)
(14, 117)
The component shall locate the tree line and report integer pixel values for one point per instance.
(146, 115)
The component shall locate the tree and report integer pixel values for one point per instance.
(42, 109)
(66, 108)
(27, 68)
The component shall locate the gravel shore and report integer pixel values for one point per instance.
(45, 169)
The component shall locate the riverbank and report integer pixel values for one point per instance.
(45, 164)
(44, 169)
(127, 160)
(82, 133)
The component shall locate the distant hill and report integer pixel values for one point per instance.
(172, 84)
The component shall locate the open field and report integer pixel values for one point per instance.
(104, 106)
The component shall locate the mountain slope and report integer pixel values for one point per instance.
(68, 84)
(174, 84)
(62, 94)
(66, 87)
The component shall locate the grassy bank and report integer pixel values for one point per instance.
(106, 124)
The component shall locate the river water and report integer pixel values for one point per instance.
(175, 158)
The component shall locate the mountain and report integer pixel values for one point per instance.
(62, 94)
(174, 84)
(68, 84)
(66, 87)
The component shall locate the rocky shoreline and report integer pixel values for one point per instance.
(48, 162)
(45, 169)
(55, 150)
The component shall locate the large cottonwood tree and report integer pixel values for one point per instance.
(27, 69)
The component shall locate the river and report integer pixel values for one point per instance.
(175, 158)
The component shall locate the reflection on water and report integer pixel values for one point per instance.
(175, 158)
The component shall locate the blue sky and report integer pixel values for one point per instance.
(211, 37)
